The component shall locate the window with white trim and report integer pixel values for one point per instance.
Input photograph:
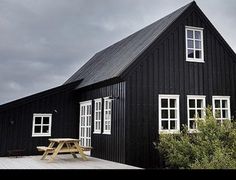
(97, 115)
(194, 44)
(41, 125)
(169, 113)
(196, 110)
(107, 116)
(221, 108)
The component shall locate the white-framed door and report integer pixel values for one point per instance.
(85, 123)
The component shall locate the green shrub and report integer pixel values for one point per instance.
(213, 147)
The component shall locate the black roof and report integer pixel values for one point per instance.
(112, 61)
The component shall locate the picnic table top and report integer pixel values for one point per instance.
(58, 140)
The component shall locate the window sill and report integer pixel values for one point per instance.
(96, 132)
(41, 135)
(195, 60)
(107, 133)
(169, 132)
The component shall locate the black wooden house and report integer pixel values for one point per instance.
(151, 82)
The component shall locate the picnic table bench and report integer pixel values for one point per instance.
(63, 145)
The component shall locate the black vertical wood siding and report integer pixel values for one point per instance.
(109, 147)
(162, 69)
(19, 134)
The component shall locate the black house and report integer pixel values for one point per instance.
(151, 82)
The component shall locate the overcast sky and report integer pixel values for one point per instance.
(43, 42)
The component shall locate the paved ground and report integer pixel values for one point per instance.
(61, 162)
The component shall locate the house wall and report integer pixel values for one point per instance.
(19, 134)
(109, 147)
(162, 69)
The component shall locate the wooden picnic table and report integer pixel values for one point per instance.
(63, 145)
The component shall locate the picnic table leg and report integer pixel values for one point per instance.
(69, 147)
(80, 151)
(60, 145)
(46, 152)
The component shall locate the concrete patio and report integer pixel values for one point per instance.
(61, 162)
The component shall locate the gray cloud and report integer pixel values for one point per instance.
(43, 42)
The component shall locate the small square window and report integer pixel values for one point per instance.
(173, 125)
(172, 103)
(191, 103)
(164, 103)
(197, 34)
(38, 120)
(164, 125)
(190, 44)
(164, 114)
(190, 34)
(190, 53)
(196, 109)
(41, 125)
(194, 44)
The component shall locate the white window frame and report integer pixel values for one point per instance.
(96, 119)
(194, 59)
(169, 131)
(41, 134)
(106, 131)
(195, 98)
(227, 98)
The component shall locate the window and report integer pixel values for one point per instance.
(107, 116)
(194, 44)
(221, 108)
(97, 116)
(169, 113)
(41, 125)
(196, 109)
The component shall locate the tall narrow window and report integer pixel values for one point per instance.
(221, 108)
(196, 109)
(107, 116)
(194, 44)
(41, 125)
(97, 116)
(169, 113)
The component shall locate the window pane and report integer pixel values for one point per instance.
(172, 114)
(189, 33)
(225, 114)
(37, 129)
(192, 103)
(164, 125)
(197, 34)
(198, 45)
(37, 120)
(218, 114)
(192, 124)
(224, 104)
(164, 103)
(190, 53)
(45, 120)
(192, 114)
(217, 103)
(199, 114)
(164, 114)
(200, 103)
(198, 54)
(172, 103)
(45, 129)
(173, 125)
(190, 43)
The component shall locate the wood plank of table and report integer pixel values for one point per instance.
(46, 152)
(58, 140)
(60, 145)
(70, 149)
(80, 150)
